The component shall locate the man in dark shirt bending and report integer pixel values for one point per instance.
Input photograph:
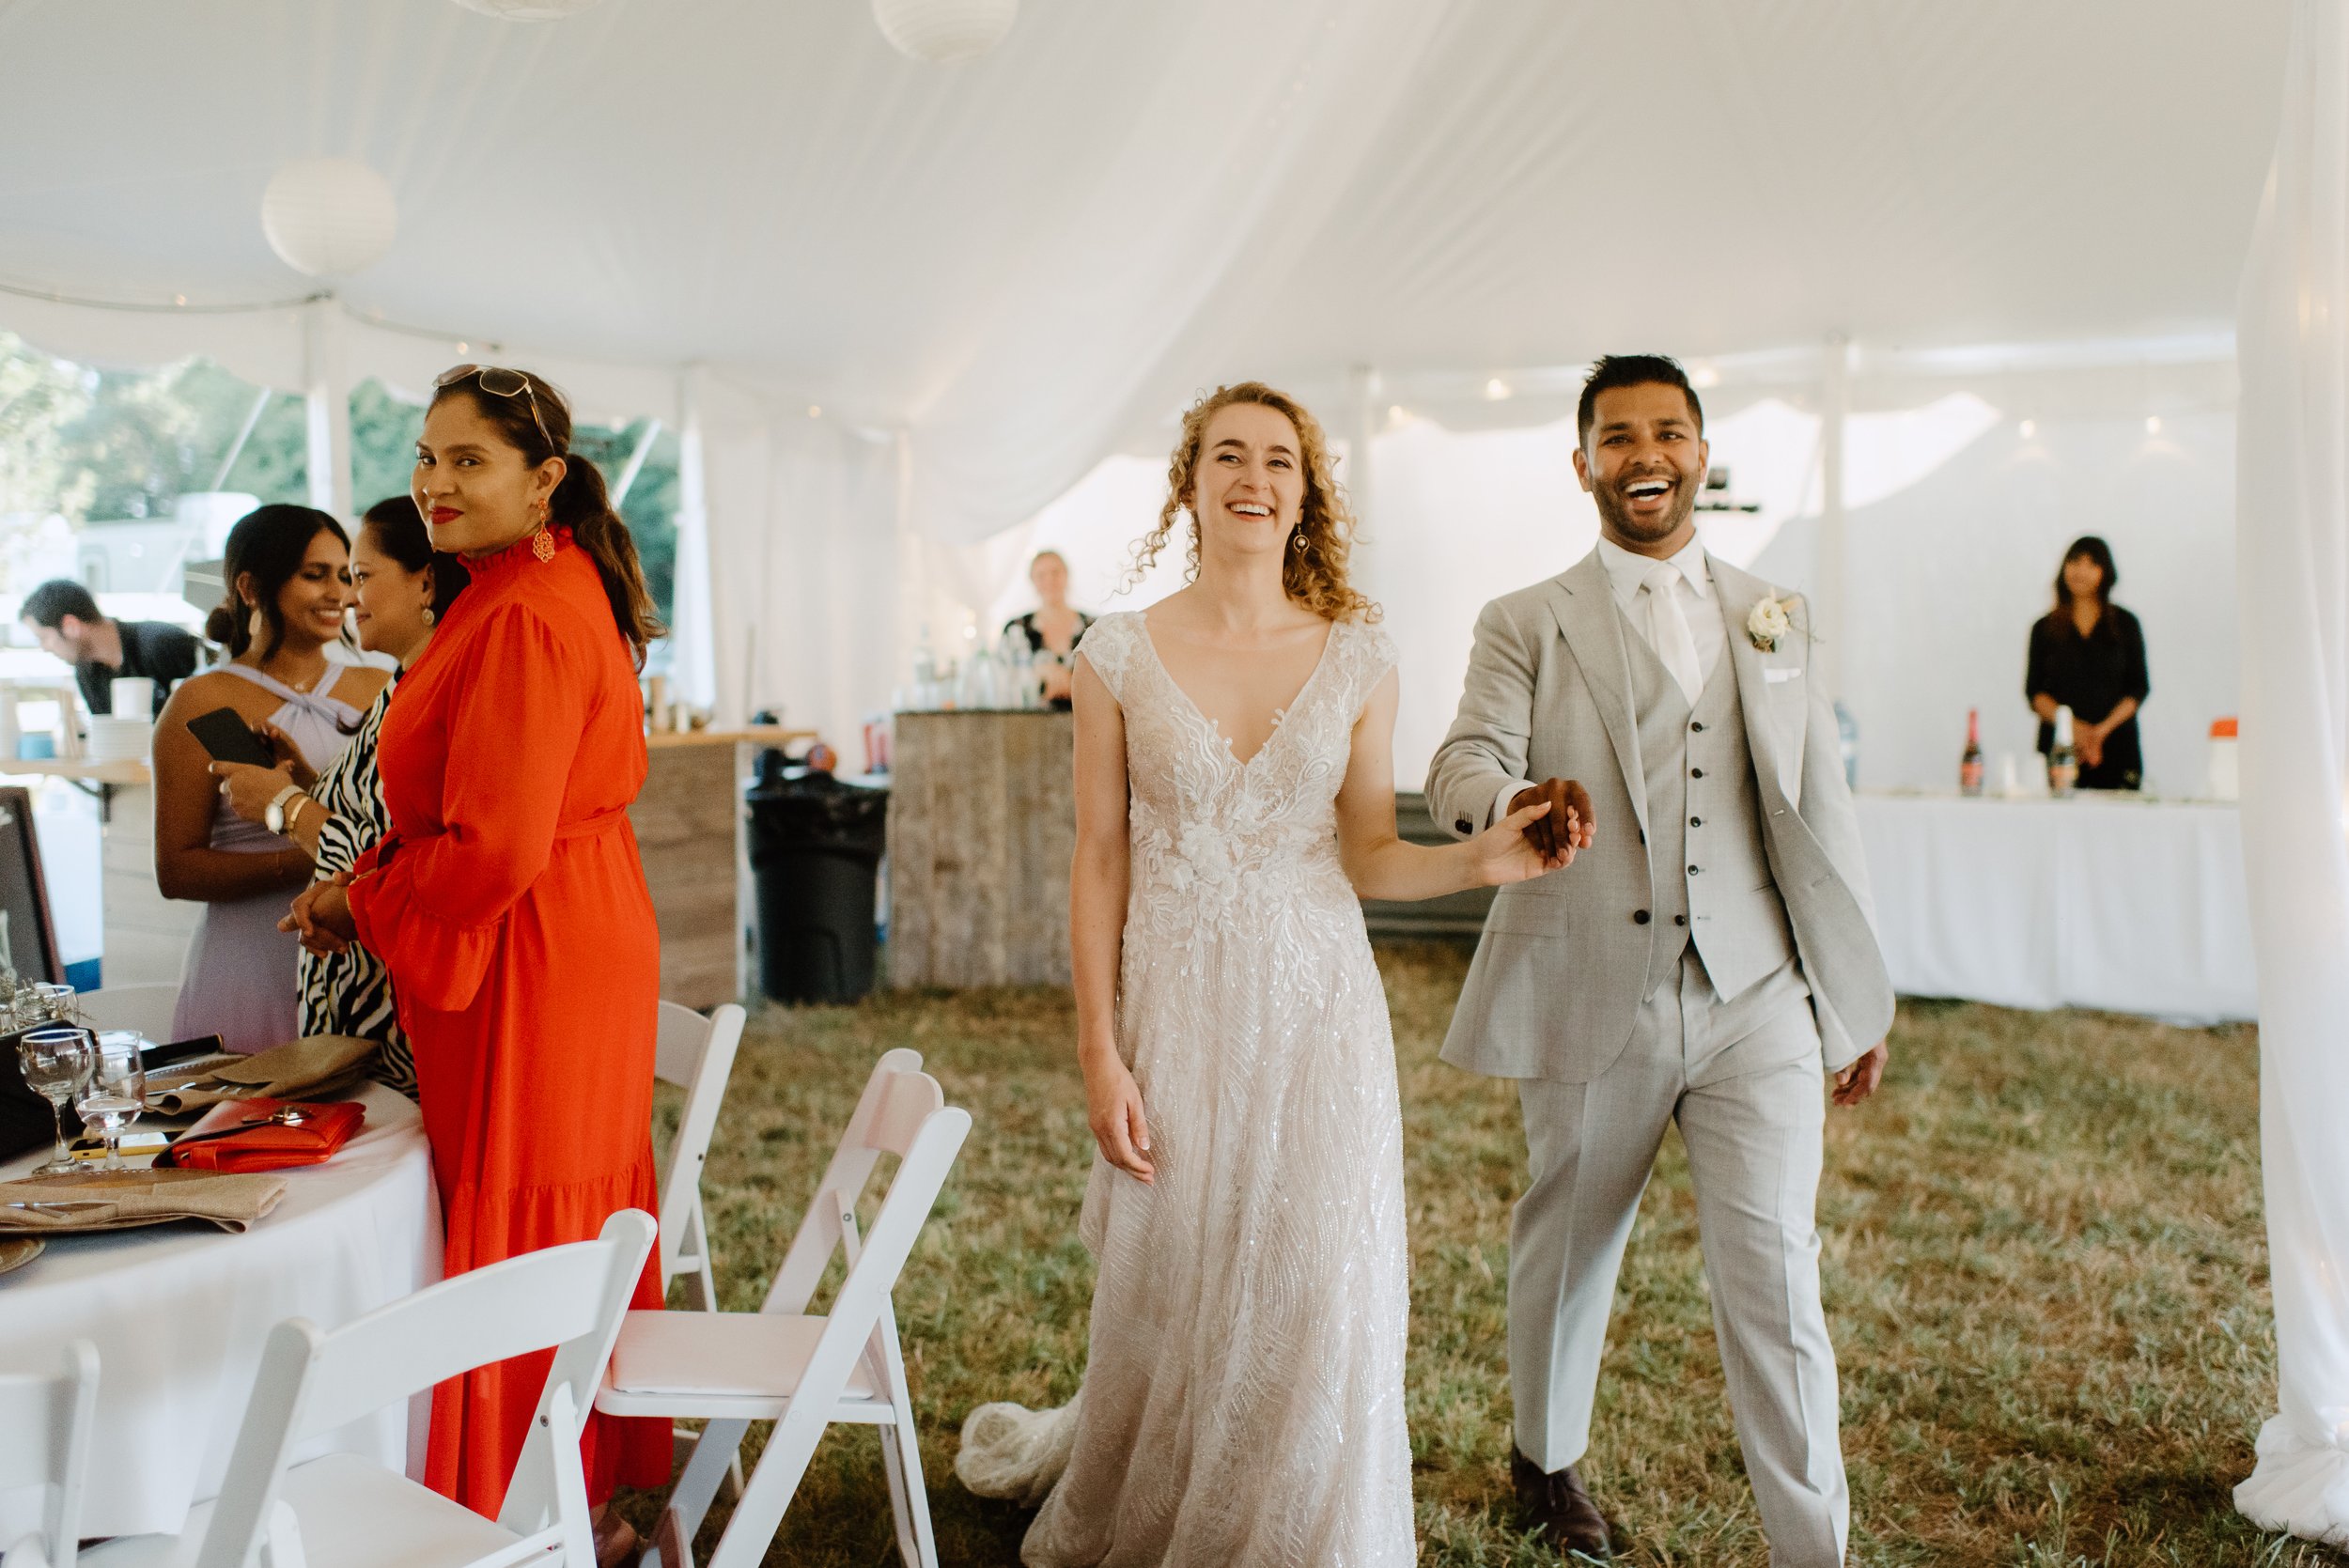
(66, 621)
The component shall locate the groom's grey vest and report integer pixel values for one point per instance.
(1710, 871)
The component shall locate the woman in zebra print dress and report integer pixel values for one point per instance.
(402, 588)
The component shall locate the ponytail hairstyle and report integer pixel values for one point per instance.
(536, 422)
(266, 544)
(397, 529)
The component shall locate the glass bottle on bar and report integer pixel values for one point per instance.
(2063, 763)
(1969, 765)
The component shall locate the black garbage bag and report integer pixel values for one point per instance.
(815, 852)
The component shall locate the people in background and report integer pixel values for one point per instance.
(2088, 653)
(400, 591)
(1054, 626)
(508, 900)
(287, 571)
(66, 620)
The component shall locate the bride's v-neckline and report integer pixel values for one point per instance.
(1280, 715)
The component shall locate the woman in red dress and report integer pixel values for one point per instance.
(508, 900)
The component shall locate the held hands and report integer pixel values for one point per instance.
(1557, 833)
(2087, 743)
(321, 916)
(1114, 1106)
(1859, 1079)
(249, 789)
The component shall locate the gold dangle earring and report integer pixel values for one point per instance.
(542, 542)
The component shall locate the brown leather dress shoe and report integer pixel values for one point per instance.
(1564, 1511)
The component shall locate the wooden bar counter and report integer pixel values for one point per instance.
(982, 825)
(691, 836)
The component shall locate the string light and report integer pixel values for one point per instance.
(815, 411)
(2027, 429)
(1705, 376)
(2153, 424)
(1495, 390)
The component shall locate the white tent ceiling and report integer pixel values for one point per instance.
(1022, 260)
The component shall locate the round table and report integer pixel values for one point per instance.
(180, 1315)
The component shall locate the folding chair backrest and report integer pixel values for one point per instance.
(696, 1054)
(149, 1008)
(850, 1168)
(44, 1441)
(569, 1298)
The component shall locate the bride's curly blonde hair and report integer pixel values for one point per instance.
(1313, 568)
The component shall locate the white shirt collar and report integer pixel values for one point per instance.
(1626, 571)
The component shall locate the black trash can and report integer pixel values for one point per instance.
(816, 851)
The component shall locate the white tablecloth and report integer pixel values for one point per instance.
(179, 1317)
(2098, 901)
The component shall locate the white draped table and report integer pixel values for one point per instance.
(2099, 901)
(179, 1315)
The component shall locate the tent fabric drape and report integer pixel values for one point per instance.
(2292, 538)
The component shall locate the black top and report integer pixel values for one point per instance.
(156, 649)
(1025, 625)
(2091, 675)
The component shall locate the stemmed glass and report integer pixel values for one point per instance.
(115, 1091)
(57, 1064)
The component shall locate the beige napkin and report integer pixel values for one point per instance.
(317, 1068)
(120, 1199)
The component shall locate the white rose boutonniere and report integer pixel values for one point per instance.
(1768, 622)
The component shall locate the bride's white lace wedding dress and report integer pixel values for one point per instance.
(1243, 1402)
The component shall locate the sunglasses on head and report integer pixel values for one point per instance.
(498, 383)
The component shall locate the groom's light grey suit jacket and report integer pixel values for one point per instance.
(1563, 963)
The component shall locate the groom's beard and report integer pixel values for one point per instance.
(1615, 512)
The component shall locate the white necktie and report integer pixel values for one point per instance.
(1668, 630)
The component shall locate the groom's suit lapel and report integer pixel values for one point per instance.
(1777, 769)
(1584, 607)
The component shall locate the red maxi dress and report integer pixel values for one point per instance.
(509, 905)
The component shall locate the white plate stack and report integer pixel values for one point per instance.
(115, 738)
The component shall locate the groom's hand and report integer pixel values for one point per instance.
(1566, 828)
(1858, 1081)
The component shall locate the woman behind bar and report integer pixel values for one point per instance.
(1053, 626)
(509, 899)
(287, 570)
(2088, 653)
(399, 589)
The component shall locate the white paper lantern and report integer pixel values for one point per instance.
(329, 217)
(527, 10)
(944, 30)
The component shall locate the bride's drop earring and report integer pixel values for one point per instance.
(1297, 541)
(428, 616)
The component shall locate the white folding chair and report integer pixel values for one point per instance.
(803, 1371)
(696, 1054)
(44, 1441)
(353, 1512)
(147, 1008)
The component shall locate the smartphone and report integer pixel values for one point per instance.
(225, 734)
(181, 1050)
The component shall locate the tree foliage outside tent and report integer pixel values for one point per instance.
(97, 446)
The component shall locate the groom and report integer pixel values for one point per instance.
(1705, 959)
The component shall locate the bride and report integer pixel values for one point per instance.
(1243, 1400)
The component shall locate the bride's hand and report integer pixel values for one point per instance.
(1114, 1106)
(1505, 852)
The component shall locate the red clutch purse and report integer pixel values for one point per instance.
(264, 1135)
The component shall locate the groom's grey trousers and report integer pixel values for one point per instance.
(1742, 1078)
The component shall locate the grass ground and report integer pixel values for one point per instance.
(2044, 1270)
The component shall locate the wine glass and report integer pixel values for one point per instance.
(57, 1063)
(115, 1091)
(54, 1003)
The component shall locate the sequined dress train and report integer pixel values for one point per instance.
(1243, 1399)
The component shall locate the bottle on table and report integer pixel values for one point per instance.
(1969, 765)
(2063, 763)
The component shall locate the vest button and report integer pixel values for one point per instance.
(1464, 824)
(1696, 725)
(1640, 917)
(1692, 870)
(1696, 822)
(1680, 920)
(1696, 772)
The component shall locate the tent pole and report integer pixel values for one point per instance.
(236, 447)
(1827, 575)
(635, 462)
(326, 397)
(1362, 385)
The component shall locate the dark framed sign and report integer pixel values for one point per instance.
(28, 935)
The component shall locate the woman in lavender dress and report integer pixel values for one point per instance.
(289, 576)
